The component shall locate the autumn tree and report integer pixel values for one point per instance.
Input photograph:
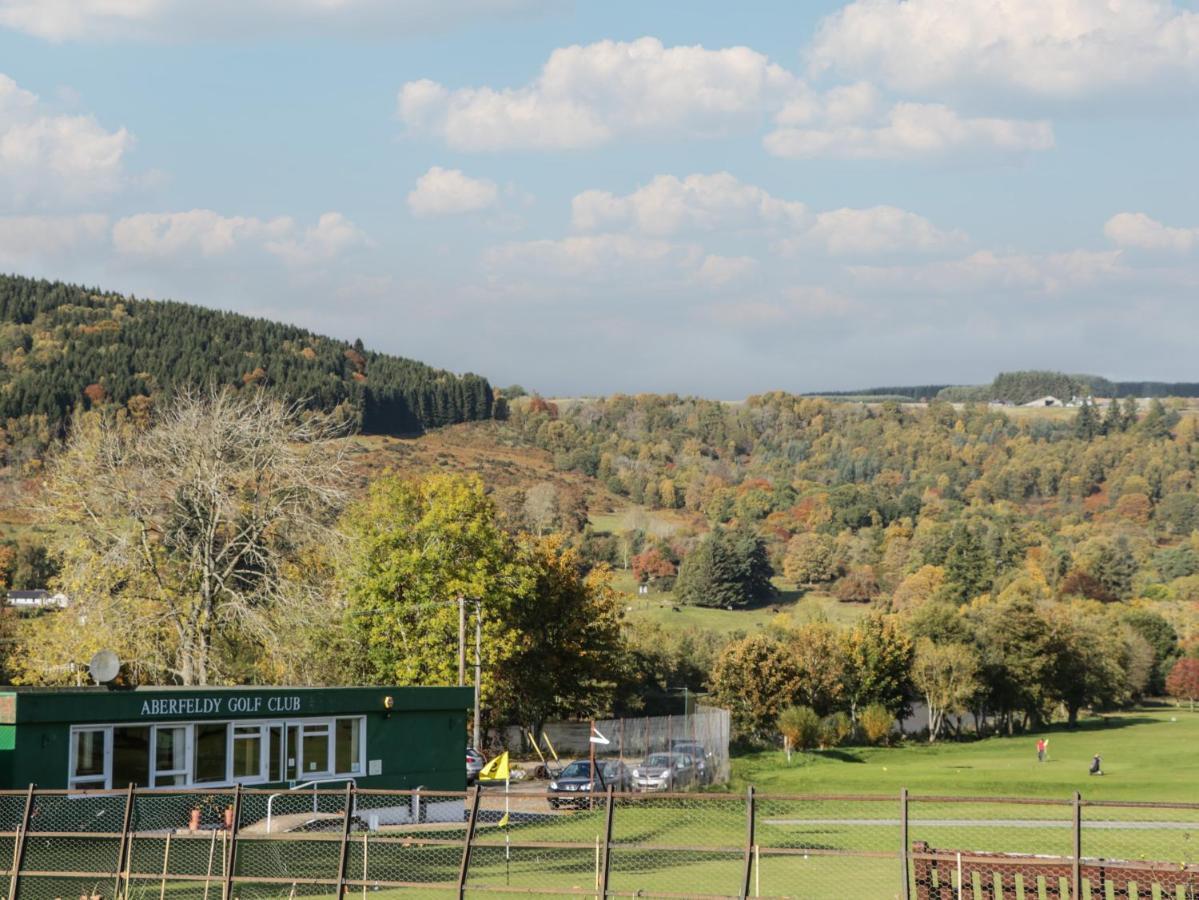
(541, 506)
(651, 565)
(809, 559)
(877, 663)
(1183, 681)
(819, 667)
(755, 679)
(947, 676)
(186, 535)
(568, 649)
(415, 547)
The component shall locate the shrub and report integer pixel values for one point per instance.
(876, 722)
(800, 726)
(835, 729)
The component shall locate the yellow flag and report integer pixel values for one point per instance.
(496, 770)
(503, 823)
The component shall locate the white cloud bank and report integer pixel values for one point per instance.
(1046, 48)
(720, 202)
(181, 20)
(48, 159)
(205, 234)
(587, 95)
(441, 192)
(29, 240)
(1140, 231)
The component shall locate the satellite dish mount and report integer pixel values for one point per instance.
(104, 667)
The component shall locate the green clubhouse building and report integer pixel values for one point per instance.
(95, 738)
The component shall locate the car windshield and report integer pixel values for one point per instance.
(610, 769)
(578, 769)
(659, 761)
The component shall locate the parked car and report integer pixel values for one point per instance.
(665, 772)
(704, 764)
(475, 761)
(576, 779)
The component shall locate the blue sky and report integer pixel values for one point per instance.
(588, 198)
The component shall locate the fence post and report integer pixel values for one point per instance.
(344, 858)
(1077, 873)
(231, 854)
(124, 847)
(18, 855)
(470, 836)
(904, 851)
(606, 857)
(750, 815)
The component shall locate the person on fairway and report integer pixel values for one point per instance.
(1040, 750)
(1096, 766)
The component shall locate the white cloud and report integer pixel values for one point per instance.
(442, 192)
(720, 202)
(907, 130)
(718, 271)
(48, 159)
(604, 255)
(1052, 48)
(875, 230)
(178, 20)
(26, 240)
(207, 234)
(331, 236)
(1140, 231)
(986, 270)
(669, 205)
(586, 95)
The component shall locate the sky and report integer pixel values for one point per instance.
(585, 198)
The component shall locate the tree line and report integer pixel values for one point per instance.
(66, 348)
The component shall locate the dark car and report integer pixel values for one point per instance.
(702, 756)
(475, 761)
(665, 772)
(576, 779)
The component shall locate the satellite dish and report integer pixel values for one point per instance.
(104, 667)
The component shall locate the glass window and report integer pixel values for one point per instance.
(247, 751)
(211, 753)
(170, 756)
(87, 758)
(131, 755)
(315, 749)
(348, 746)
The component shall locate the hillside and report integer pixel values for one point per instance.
(64, 346)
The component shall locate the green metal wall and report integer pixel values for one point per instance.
(420, 740)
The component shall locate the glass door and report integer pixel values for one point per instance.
(276, 755)
(292, 760)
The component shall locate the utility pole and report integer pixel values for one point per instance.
(461, 641)
(478, 667)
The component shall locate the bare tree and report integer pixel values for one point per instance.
(201, 524)
(541, 506)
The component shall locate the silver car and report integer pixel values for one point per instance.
(664, 772)
(475, 761)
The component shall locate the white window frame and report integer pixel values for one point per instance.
(311, 726)
(89, 781)
(155, 772)
(262, 735)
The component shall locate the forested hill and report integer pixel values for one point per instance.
(62, 346)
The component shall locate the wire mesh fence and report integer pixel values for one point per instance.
(698, 744)
(489, 842)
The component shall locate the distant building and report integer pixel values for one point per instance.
(38, 599)
(1043, 401)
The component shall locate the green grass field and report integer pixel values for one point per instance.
(796, 606)
(1148, 754)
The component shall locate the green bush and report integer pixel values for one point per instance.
(835, 729)
(800, 725)
(876, 723)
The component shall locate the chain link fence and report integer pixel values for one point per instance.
(698, 741)
(488, 842)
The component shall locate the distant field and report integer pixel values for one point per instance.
(665, 609)
(1148, 754)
